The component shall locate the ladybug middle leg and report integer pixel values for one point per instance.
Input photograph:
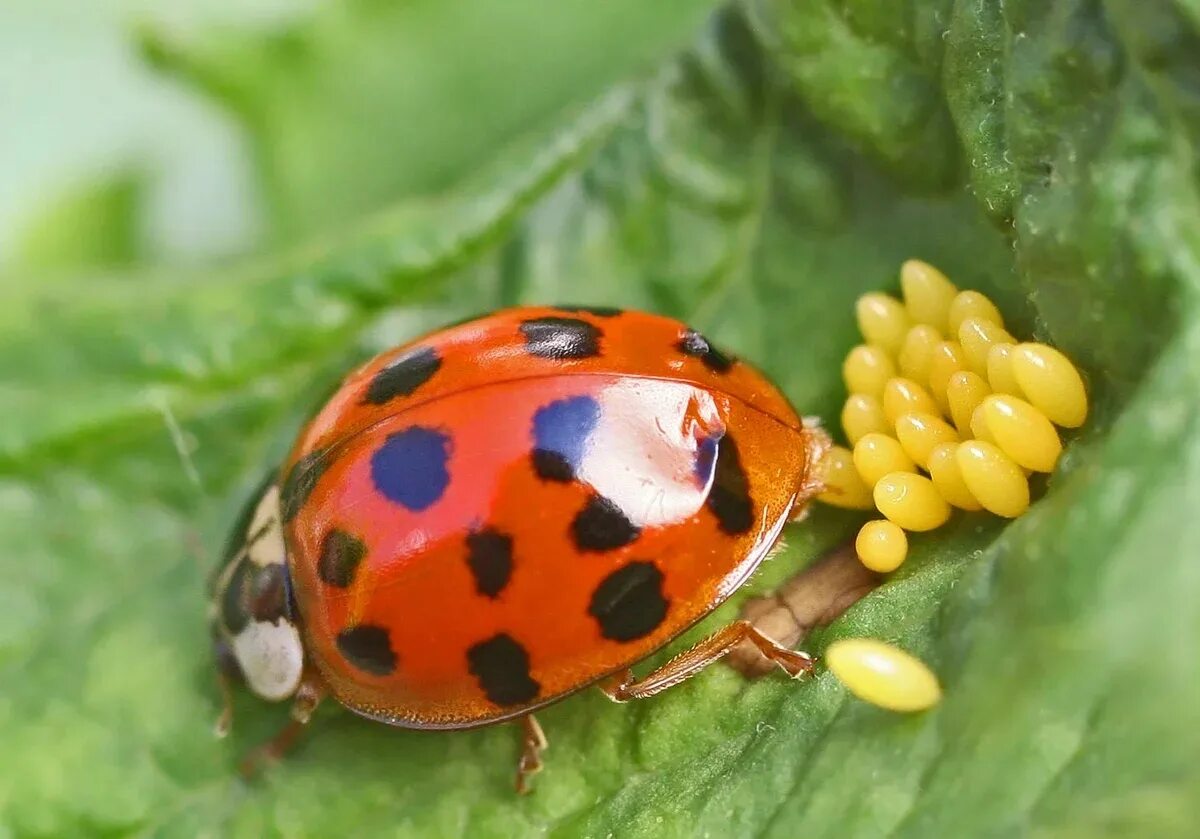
(625, 686)
(308, 696)
(533, 743)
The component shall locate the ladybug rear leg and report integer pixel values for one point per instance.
(533, 743)
(308, 696)
(625, 686)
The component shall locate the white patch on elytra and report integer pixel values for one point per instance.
(271, 657)
(648, 470)
(265, 535)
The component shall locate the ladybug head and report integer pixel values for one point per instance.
(255, 636)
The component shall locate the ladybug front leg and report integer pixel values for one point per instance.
(625, 686)
(533, 743)
(308, 696)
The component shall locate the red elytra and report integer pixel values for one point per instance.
(501, 513)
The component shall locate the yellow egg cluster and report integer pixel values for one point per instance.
(946, 409)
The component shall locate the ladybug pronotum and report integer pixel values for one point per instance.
(500, 514)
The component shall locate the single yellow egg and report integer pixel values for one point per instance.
(979, 426)
(947, 360)
(977, 336)
(867, 369)
(993, 478)
(883, 675)
(876, 455)
(971, 304)
(965, 392)
(916, 353)
(844, 487)
(1022, 432)
(1000, 374)
(911, 501)
(1051, 383)
(861, 415)
(927, 293)
(918, 433)
(946, 476)
(881, 546)
(904, 396)
(882, 320)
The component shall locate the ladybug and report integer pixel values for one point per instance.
(497, 515)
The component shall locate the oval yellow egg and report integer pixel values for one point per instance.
(904, 396)
(918, 433)
(977, 336)
(927, 293)
(993, 478)
(947, 360)
(965, 392)
(911, 501)
(1051, 383)
(881, 546)
(946, 476)
(867, 369)
(844, 487)
(979, 426)
(916, 353)
(882, 320)
(883, 675)
(1000, 374)
(875, 455)
(1022, 432)
(971, 304)
(862, 415)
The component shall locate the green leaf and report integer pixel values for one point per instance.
(365, 102)
(750, 187)
(98, 225)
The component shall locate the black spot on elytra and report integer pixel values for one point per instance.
(490, 556)
(601, 526)
(729, 499)
(368, 648)
(403, 376)
(598, 311)
(501, 665)
(696, 345)
(341, 552)
(301, 481)
(235, 611)
(552, 466)
(561, 338)
(629, 603)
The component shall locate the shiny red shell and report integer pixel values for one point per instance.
(505, 511)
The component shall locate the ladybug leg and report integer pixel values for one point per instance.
(225, 719)
(625, 686)
(533, 743)
(308, 696)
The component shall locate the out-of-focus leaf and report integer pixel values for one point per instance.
(368, 101)
(96, 226)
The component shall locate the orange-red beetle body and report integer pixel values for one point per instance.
(508, 510)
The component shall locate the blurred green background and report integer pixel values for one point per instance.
(209, 210)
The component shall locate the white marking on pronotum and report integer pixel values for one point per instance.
(271, 657)
(264, 537)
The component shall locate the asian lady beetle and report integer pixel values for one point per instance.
(502, 513)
